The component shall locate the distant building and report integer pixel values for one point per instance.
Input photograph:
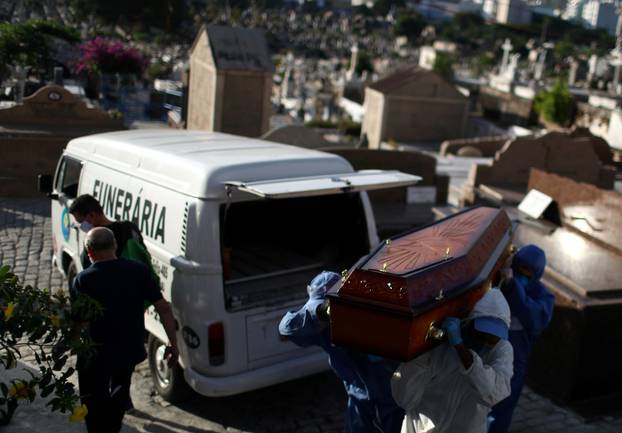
(507, 11)
(413, 105)
(574, 9)
(600, 14)
(230, 81)
(444, 10)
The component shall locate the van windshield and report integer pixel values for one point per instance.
(273, 248)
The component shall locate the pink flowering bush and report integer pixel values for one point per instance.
(107, 57)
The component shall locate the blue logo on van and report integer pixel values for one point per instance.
(65, 223)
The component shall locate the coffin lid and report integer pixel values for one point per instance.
(434, 244)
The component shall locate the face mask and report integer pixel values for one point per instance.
(85, 226)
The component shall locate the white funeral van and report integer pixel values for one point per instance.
(236, 228)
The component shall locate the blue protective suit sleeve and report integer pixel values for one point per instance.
(533, 309)
(301, 328)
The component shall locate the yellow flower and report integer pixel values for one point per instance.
(8, 311)
(18, 390)
(78, 414)
(55, 320)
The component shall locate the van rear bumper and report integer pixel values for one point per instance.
(211, 386)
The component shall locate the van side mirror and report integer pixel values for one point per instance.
(44, 185)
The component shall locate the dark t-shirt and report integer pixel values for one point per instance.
(123, 231)
(122, 287)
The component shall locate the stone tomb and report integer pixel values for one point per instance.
(35, 133)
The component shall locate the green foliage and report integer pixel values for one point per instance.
(28, 43)
(484, 62)
(470, 30)
(364, 63)
(555, 105)
(323, 124)
(163, 14)
(564, 49)
(382, 7)
(349, 127)
(38, 322)
(443, 65)
(158, 69)
(409, 24)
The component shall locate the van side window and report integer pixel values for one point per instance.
(68, 176)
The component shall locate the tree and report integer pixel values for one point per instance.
(163, 14)
(443, 65)
(564, 49)
(382, 7)
(28, 43)
(555, 105)
(36, 321)
(364, 63)
(409, 24)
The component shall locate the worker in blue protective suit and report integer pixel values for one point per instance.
(371, 408)
(531, 306)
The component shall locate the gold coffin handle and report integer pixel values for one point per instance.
(435, 333)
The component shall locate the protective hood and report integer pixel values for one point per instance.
(321, 284)
(494, 305)
(530, 257)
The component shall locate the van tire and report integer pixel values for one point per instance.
(168, 382)
(72, 272)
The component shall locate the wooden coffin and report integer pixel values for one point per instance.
(392, 300)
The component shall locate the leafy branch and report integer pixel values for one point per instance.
(42, 324)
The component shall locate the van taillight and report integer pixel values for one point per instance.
(216, 343)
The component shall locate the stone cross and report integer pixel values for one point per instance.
(507, 48)
(541, 65)
(21, 73)
(510, 72)
(572, 74)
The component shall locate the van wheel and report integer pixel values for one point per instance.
(72, 271)
(168, 382)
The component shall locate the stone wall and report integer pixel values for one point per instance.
(485, 147)
(410, 120)
(506, 107)
(568, 154)
(246, 104)
(34, 134)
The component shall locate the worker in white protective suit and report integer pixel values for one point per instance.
(451, 388)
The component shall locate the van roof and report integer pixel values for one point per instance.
(198, 163)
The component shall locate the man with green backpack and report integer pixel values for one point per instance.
(89, 213)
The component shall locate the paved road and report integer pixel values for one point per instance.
(311, 405)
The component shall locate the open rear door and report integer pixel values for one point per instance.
(363, 180)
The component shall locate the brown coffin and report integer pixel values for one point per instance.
(388, 301)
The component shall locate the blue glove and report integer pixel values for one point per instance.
(522, 280)
(451, 325)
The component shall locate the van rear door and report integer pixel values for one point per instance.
(363, 180)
